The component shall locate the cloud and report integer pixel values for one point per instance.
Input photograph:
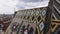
(31, 0)
(26, 4)
(8, 6)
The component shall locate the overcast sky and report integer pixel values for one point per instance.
(8, 6)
